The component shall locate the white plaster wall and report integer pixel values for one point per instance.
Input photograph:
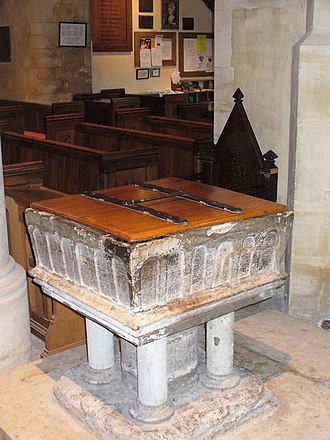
(254, 40)
(112, 70)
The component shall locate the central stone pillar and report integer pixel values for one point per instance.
(15, 341)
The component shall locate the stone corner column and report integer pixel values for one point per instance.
(15, 341)
(219, 354)
(152, 405)
(101, 367)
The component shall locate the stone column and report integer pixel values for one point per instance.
(15, 341)
(101, 354)
(152, 405)
(310, 253)
(219, 353)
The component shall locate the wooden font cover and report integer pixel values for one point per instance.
(132, 226)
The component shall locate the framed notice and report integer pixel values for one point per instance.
(196, 54)
(142, 73)
(111, 25)
(72, 34)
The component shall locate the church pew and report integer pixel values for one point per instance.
(86, 96)
(3, 125)
(178, 155)
(112, 93)
(72, 168)
(12, 116)
(196, 111)
(140, 119)
(102, 111)
(131, 117)
(179, 127)
(61, 127)
(34, 114)
(57, 325)
(59, 108)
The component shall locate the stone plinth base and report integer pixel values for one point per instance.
(200, 413)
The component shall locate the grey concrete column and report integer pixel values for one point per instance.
(152, 405)
(101, 354)
(219, 353)
(15, 341)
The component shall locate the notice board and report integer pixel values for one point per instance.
(196, 54)
(111, 25)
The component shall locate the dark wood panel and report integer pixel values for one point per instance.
(71, 168)
(111, 25)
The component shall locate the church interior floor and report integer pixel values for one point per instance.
(291, 356)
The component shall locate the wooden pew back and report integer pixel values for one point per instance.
(12, 117)
(59, 108)
(197, 111)
(133, 118)
(179, 127)
(73, 169)
(178, 155)
(62, 127)
(34, 114)
(112, 93)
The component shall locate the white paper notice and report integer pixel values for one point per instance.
(201, 61)
(167, 49)
(145, 58)
(209, 55)
(209, 47)
(209, 64)
(156, 57)
(190, 55)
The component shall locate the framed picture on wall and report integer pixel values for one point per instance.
(146, 6)
(142, 73)
(146, 21)
(72, 34)
(155, 72)
(5, 50)
(170, 14)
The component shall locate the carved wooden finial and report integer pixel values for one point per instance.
(238, 95)
(269, 159)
